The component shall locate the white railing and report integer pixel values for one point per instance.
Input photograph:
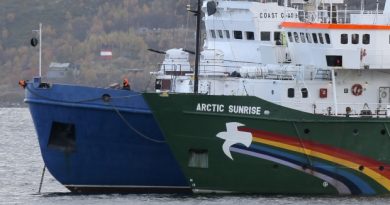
(375, 110)
(340, 16)
(172, 69)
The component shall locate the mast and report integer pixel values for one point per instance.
(198, 15)
(336, 111)
(35, 42)
(40, 50)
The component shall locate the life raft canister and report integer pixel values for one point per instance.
(357, 89)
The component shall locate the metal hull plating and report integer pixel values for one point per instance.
(242, 144)
(91, 145)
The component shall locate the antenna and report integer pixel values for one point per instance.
(377, 7)
(156, 51)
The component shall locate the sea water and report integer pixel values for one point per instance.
(21, 168)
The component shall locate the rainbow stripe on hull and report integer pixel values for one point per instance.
(335, 166)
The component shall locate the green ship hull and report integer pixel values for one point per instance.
(242, 144)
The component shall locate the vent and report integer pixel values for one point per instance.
(198, 158)
(62, 137)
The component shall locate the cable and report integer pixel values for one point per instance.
(134, 129)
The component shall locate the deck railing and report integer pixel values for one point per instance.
(373, 110)
(340, 16)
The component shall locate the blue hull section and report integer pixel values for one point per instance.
(111, 142)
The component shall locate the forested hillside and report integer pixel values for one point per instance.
(76, 31)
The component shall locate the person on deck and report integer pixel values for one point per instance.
(126, 84)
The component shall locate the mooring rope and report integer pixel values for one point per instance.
(134, 129)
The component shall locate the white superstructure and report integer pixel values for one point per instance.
(252, 27)
(314, 66)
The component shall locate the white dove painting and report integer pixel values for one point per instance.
(232, 136)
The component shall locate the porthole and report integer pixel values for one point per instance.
(106, 98)
(383, 94)
(306, 131)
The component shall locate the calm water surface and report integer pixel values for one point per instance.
(21, 168)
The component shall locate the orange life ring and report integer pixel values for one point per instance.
(357, 89)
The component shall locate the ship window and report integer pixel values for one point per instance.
(321, 38)
(198, 158)
(227, 34)
(290, 92)
(250, 35)
(334, 61)
(296, 37)
(237, 34)
(304, 92)
(315, 39)
(308, 36)
(290, 38)
(366, 39)
(355, 38)
(303, 40)
(157, 85)
(265, 36)
(62, 137)
(220, 34)
(277, 36)
(327, 38)
(166, 84)
(212, 33)
(344, 38)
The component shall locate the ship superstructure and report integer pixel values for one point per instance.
(297, 62)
